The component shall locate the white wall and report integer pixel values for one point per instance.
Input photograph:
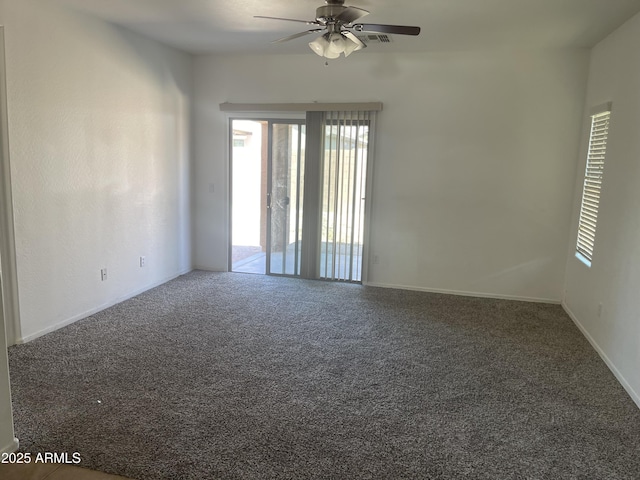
(475, 159)
(99, 130)
(614, 276)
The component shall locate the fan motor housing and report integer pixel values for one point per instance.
(328, 13)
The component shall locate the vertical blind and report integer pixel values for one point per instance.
(344, 171)
(593, 183)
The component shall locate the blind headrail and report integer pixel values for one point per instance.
(301, 107)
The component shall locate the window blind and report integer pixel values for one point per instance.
(345, 155)
(593, 183)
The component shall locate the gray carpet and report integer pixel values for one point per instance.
(251, 377)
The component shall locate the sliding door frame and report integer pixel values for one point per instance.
(295, 111)
(280, 118)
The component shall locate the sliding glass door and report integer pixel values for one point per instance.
(298, 195)
(285, 197)
(267, 188)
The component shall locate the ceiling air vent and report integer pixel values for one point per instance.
(374, 38)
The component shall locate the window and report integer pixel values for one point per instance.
(241, 138)
(593, 182)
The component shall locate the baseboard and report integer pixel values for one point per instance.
(93, 311)
(211, 269)
(11, 447)
(623, 381)
(465, 293)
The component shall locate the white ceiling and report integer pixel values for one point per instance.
(228, 26)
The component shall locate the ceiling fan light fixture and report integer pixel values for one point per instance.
(350, 46)
(331, 45)
(337, 43)
(320, 45)
(331, 55)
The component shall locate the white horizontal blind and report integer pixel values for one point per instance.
(593, 183)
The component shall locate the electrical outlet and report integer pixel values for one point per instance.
(599, 309)
(142, 261)
(103, 274)
(376, 259)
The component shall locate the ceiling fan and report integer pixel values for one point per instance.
(339, 38)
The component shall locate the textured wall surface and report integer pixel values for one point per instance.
(99, 125)
(603, 298)
(474, 169)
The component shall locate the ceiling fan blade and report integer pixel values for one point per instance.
(301, 34)
(351, 14)
(308, 22)
(352, 36)
(393, 29)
